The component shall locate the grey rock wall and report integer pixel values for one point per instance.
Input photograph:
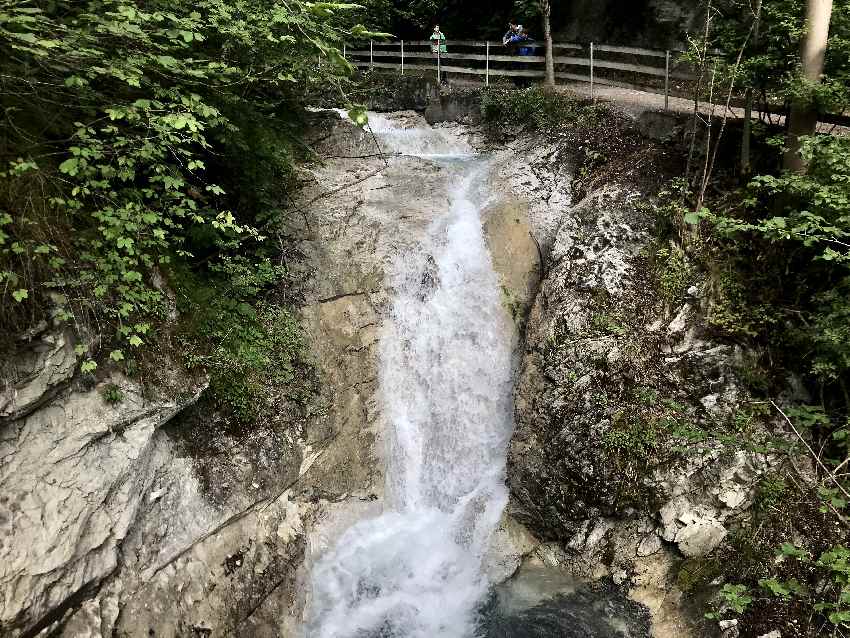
(75, 472)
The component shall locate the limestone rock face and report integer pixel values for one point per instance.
(612, 461)
(74, 475)
(39, 370)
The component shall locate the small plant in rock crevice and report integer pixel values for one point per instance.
(112, 394)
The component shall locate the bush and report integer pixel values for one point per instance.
(172, 146)
(536, 108)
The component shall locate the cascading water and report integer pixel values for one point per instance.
(445, 381)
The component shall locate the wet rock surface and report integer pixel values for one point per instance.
(613, 463)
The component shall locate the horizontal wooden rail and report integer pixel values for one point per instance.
(521, 59)
(630, 50)
(473, 43)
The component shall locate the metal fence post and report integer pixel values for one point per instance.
(667, 82)
(591, 72)
(487, 67)
(371, 55)
(402, 57)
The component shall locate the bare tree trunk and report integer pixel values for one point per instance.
(546, 12)
(804, 114)
(748, 108)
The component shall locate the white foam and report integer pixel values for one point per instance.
(445, 382)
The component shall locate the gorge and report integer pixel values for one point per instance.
(385, 515)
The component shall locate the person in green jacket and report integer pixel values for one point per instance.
(438, 40)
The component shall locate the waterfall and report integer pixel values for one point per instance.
(445, 361)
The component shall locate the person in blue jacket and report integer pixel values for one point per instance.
(510, 33)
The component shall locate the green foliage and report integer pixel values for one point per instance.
(771, 68)
(831, 570)
(139, 167)
(732, 599)
(606, 324)
(733, 311)
(770, 492)
(246, 346)
(535, 108)
(112, 394)
(695, 573)
(815, 205)
(674, 271)
(632, 444)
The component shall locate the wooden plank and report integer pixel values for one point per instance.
(467, 43)
(517, 73)
(455, 56)
(457, 69)
(597, 80)
(493, 58)
(391, 65)
(630, 50)
(397, 54)
(571, 61)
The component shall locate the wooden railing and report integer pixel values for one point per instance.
(596, 64)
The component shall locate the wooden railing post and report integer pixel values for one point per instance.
(402, 57)
(438, 63)
(667, 82)
(487, 67)
(591, 72)
(371, 55)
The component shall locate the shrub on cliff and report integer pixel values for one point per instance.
(141, 135)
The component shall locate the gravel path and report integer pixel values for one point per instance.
(637, 102)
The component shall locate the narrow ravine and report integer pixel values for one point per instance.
(445, 372)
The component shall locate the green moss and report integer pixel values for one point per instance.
(633, 447)
(606, 323)
(696, 573)
(514, 306)
(674, 272)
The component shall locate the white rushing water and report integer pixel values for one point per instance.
(445, 381)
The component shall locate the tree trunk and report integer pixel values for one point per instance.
(804, 114)
(546, 11)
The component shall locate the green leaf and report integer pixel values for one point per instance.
(88, 366)
(692, 218)
(116, 355)
(70, 166)
(20, 294)
(358, 115)
(135, 341)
